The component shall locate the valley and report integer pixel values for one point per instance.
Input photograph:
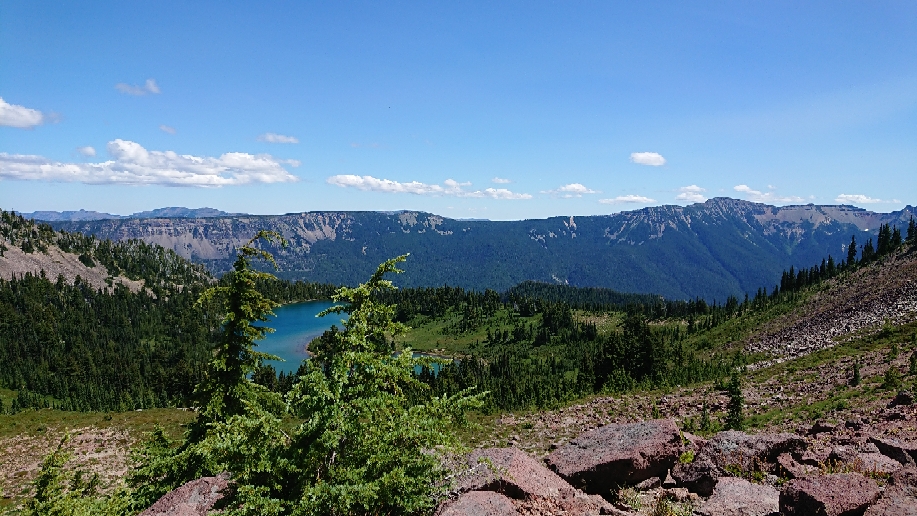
(558, 362)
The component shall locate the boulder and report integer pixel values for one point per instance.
(895, 502)
(512, 472)
(196, 498)
(698, 477)
(793, 469)
(479, 503)
(842, 494)
(905, 477)
(902, 398)
(900, 497)
(693, 442)
(618, 454)
(748, 451)
(898, 450)
(877, 463)
(821, 427)
(739, 497)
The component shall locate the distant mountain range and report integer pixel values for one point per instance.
(712, 250)
(81, 215)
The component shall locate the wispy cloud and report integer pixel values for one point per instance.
(450, 187)
(765, 197)
(861, 199)
(12, 115)
(500, 181)
(628, 199)
(86, 151)
(692, 193)
(149, 86)
(167, 129)
(277, 138)
(571, 190)
(653, 159)
(131, 164)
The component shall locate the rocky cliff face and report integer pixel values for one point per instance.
(719, 248)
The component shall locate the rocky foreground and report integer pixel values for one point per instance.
(650, 467)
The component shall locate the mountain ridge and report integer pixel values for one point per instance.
(714, 249)
(83, 215)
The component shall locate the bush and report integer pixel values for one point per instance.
(892, 379)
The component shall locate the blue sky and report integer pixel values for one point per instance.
(465, 109)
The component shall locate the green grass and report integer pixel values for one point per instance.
(434, 335)
(34, 422)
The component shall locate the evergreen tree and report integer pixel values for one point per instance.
(892, 379)
(227, 387)
(912, 230)
(706, 424)
(855, 378)
(884, 240)
(735, 419)
(869, 252)
(852, 251)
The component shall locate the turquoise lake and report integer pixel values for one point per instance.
(295, 325)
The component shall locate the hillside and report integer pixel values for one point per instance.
(715, 249)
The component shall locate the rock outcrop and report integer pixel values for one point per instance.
(842, 494)
(479, 503)
(618, 454)
(196, 498)
(739, 497)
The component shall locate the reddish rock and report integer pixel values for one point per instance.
(877, 463)
(734, 448)
(895, 502)
(898, 450)
(905, 477)
(821, 427)
(843, 494)
(900, 497)
(512, 472)
(612, 455)
(739, 497)
(196, 498)
(698, 477)
(694, 442)
(792, 469)
(479, 503)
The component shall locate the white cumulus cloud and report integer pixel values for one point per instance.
(768, 197)
(571, 190)
(628, 199)
(277, 138)
(149, 86)
(653, 159)
(449, 187)
(691, 193)
(86, 151)
(167, 129)
(500, 181)
(12, 115)
(131, 164)
(861, 199)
